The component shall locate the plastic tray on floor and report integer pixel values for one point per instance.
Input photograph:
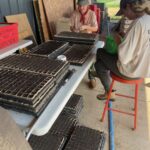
(47, 142)
(85, 138)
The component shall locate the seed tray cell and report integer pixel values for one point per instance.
(86, 138)
(77, 54)
(64, 125)
(77, 37)
(23, 86)
(49, 48)
(47, 142)
(36, 64)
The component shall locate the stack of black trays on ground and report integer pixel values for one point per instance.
(47, 142)
(74, 106)
(61, 130)
(66, 134)
(77, 54)
(58, 135)
(77, 38)
(28, 83)
(84, 138)
(50, 49)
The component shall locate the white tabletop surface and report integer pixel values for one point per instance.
(14, 47)
(41, 125)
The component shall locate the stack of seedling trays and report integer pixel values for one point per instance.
(41, 65)
(28, 83)
(47, 142)
(74, 106)
(84, 138)
(78, 38)
(50, 49)
(77, 54)
(25, 91)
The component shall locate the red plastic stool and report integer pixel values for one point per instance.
(136, 82)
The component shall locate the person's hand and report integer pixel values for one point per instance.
(117, 38)
(84, 27)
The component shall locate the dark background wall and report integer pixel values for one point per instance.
(11, 7)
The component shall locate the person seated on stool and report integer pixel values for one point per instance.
(132, 59)
(84, 20)
(118, 32)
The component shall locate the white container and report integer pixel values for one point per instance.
(62, 58)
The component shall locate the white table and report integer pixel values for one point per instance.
(44, 122)
(14, 47)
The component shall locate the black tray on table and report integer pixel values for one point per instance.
(35, 110)
(24, 90)
(23, 86)
(50, 49)
(77, 38)
(30, 82)
(77, 54)
(35, 64)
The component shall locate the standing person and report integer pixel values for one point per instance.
(132, 60)
(83, 19)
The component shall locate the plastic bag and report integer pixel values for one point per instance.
(111, 45)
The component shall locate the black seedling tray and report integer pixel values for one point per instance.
(50, 49)
(80, 38)
(24, 87)
(77, 54)
(36, 64)
(85, 138)
(47, 142)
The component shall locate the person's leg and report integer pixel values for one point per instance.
(103, 74)
(91, 76)
(104, 64)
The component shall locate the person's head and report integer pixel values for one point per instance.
(83, 5)
(134, 8)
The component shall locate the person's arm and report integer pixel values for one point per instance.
(72, 22)
(89, 29)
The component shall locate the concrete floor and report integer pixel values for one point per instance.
(125, 137)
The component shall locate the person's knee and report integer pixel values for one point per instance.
(100, 67)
